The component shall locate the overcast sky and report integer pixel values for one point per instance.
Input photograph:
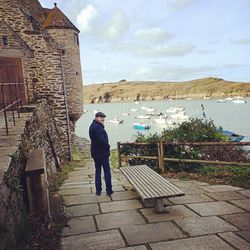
(161, 40)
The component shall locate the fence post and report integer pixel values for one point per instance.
(119, 154)
(160, 156)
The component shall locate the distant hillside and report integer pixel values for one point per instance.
(148, 90)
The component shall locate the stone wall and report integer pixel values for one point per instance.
(44, 69)
(68, 40)
(40, 130)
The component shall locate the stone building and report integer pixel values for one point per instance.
(39, 56)
(41, 47)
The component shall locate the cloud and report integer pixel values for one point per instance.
(180, 4)
(241, 41)
(206, 51)
(116, 26)
(163, 51)
(86, 17)
(154, 35)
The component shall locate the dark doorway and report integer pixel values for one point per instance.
(11, 81)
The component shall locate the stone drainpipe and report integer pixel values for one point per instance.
(66, 104)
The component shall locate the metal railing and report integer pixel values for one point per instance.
(12, 97)
(160, 157)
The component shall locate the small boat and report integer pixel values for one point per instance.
(161, 120)
(221, 101)
(133, 110)
(136, 102)
(141, 126)
(116, 121)
(143, 107)
(175, 109)
(143, 117)
(229, 98)
(180, 116)
(233, 136)
(239, 101)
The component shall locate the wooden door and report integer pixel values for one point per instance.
(11, 81)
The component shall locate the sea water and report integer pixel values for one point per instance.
(230, 116)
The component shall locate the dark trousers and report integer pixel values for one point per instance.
(99, 163)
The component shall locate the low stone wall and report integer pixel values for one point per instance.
(39, 130)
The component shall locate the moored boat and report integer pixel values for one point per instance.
(232, 136)
(141, 126)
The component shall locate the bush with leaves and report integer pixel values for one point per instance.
(194, 130)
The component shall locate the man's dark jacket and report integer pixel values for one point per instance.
(99, 141)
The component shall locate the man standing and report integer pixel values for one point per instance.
(100, 152)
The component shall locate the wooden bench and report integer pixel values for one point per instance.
(150, 185)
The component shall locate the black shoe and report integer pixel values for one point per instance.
(109, 193)
(98, 193)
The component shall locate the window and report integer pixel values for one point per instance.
(5, 40)
(76, 39)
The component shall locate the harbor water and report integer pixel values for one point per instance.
(228, 115)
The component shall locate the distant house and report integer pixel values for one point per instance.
(39, 48)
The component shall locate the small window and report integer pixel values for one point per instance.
(5, 40)
(76, 39)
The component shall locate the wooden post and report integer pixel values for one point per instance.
(119, 155)
(37, 184)
(160, 156)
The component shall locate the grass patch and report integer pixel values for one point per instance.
(230, 175)
(114, 158)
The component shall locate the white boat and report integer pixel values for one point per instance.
(161, 120)
(141, 126)
(125, 114)
(221, 101)
(136, 102)
(116, 121)
(180, 116)
(229, 99)
(175, 109)
(239, 101)
(133, 110)
(149, 109)
(143, 107)
(143, 117)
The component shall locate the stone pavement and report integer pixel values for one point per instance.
(207, 217)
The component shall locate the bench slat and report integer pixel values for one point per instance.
(172, 189)
(144, 193)
(148, 183)
(155, 191)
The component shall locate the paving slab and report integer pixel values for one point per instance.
(118, 219)
(79, 225)
(192, 190)
(225, 196)
(82, 210)
(235, 240)
(204, 225)
(245, 192)
(211, 242)
(85, 199)
(120, 205)
(241, 221)
(75, 191)
(190, 198)
(118, 188)
(245, 203)
(173, 212)
(141, 247)
(124, 195)
(106, 240)
(245, 235)
(139, 234)
(220, 188)
(215, 208)
(63, 187)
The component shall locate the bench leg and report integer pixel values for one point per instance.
(159, 206)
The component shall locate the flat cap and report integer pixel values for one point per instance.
(100, 114)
